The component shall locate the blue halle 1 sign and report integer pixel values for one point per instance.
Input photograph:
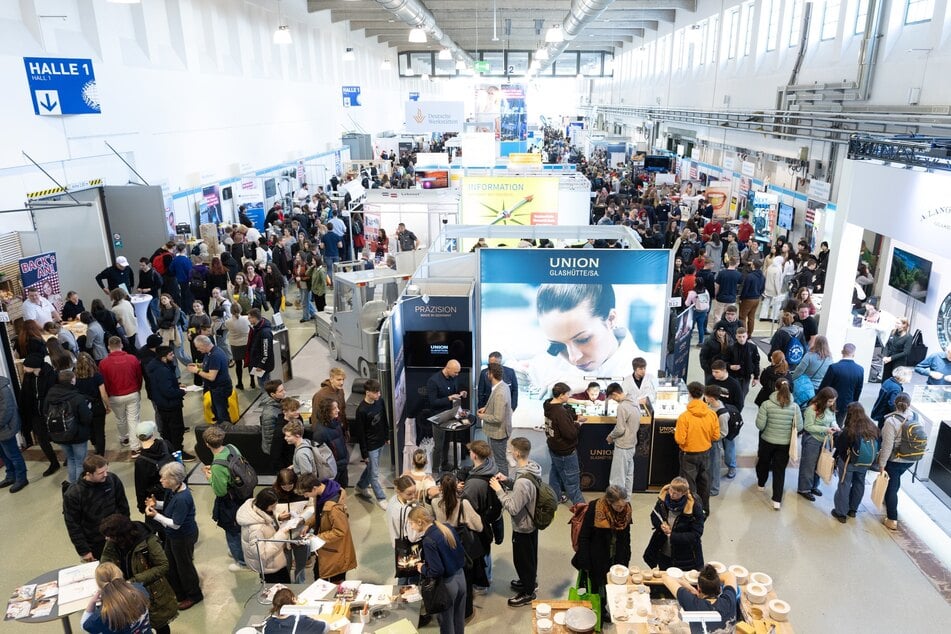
(62, 85)
(351, 96)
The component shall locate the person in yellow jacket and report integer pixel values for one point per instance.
(696, 430)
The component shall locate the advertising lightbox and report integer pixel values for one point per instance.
(509, 200)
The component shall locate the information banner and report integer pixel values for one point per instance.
(42, 273)
(678, 356)
(351, 96)
(571, 315)
(210, 205)
(510, 200)
(434, 116)
(251, 196)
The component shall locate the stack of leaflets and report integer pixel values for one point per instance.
(76, 586)
(32, 600)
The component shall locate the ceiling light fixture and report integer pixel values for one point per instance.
(495, 23)
(417, 36)
(348, 55)
(424, 77)
(444, 55)
(282, 35)
(554, 35)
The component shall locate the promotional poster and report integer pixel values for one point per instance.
(250, 194)
(718, 195)
(210, 205)
(514, 116)
(42, 273)
(494, 200)
(765, 208)
(571, 315)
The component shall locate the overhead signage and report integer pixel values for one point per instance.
(413, 96)
(62, 85)
(482, 66)
(435, 313)
(351, 96)
(748, 169)
(728, 163)
(820, 190)
(435, 116)
(493, 200)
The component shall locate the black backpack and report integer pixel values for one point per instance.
(61, 422)
(736, 421)
(243, 476)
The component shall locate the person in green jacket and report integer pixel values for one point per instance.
(318, 283)
(137, 552)
(819, 424)
(226, 507)
(775, 421)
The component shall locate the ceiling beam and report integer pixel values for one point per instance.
(515, 7)
(608, 18)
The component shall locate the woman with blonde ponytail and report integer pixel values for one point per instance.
(443, 557)
(124, 606)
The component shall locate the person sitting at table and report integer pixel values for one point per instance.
(591, 397)
(715, 592)
(258, 527)
(299, 624)
(678, 526)
(118, 607)
(604, 539)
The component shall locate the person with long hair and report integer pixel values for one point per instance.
(238, 327)
(327, 429)
(105, 317)
(273, 286)
(290, 502)
(897, 348)
(888, 459)
(776, 370)
(699, 298)
(318, 283)
(90, 384)
(60, 358)
(775, 420)
(382, 244)
(815, 362)
(453, 510)
(218, 276)
(170, 327)
(243, 293)
(118, 607)
(818, 424)
(604, 539)
(138, 554)
(331, 523)
(258, 527)
(855, 450)
(443, 557)
(285, 624)
(30, 339)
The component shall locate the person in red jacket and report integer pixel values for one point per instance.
(122, 374)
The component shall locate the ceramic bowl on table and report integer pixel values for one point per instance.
(559, 618)
(763, 579)
(742, 574)
(675, 573)
(618, 574)
(544, 626)
(692, 577)
(756, 592)
(580, 619)
(543, 610)
(719, 567)
(778, 610)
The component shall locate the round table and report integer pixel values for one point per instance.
(46, 577)
(140, 303)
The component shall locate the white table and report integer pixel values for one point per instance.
(140, 303)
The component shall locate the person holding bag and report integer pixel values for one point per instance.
(855, 447)
(443, 563)
(778, 421)
(818, 424)
(405, 543)
(889, 458)
(457, 512)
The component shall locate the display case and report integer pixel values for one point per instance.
(932, 403)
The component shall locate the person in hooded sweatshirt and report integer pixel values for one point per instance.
(475, 488)
(562, 427)
(66, 398)
(331, 523)
(519, 502)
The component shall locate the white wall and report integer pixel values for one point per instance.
(647, 73)
(191, 91)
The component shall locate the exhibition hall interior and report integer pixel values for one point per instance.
(475, 315)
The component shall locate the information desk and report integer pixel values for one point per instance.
(656, 458)
(380, 615)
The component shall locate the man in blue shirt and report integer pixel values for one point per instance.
(717, 593)
(331, 242)
(750, 294)
(937, 367)
(216, 380)
(181, 268)
(846, 377)
(727, 285)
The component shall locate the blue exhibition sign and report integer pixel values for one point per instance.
(62, 85)
(575, 266)
(351, 96)
(413, 95)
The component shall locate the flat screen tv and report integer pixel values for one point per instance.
(784, 219)
(432, 349)
(910, 274)
(657, 163)
(270, 188)
(433, 179)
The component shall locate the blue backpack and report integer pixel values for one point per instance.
(864, 452)
(795, 351)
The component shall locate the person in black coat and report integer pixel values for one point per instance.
(64, 397)
(38, 377)
(168, 396)
(508, 377)
(260, 354)
(605, 538)
(96, 496)
(715, 348)
(897, 348)
(678, 528)
(846, 377)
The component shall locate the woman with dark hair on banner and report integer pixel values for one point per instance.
(581, 324)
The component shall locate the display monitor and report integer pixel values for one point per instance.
(910, 274)
(270, 188)
(657, 163)
(432, 349)
(433, 179)
(786, 215)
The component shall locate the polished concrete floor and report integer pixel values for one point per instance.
(852, 578)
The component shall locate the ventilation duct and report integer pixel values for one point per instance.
(581, 14)
(415, 14)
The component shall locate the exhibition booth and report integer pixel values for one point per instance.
(913, 280)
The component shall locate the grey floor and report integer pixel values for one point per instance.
(852, 578)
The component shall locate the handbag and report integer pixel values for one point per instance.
(878, 489)
(803, 388)
(580, 592)
(407, 554)
(826, 464)
(794, 440)
(471, 542)
(435, 595)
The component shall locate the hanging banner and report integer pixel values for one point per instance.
(678, 344)
(571, 315)
(42, 273)
(514, 116)
(718, 195)
(250, 194)
(508, 200)
(765, 208)
(435, 116)
(210, 205)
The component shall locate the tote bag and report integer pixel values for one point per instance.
(407, 554)
(878, 489)
(826, 465)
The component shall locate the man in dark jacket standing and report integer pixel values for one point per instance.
(260, 348)
(64, 400)
(97, 495)
(9, 447)
(373, 428)
(443, 393)
(846, 377)
(38, 377)
(508, 377)
(562, 428)
(111, 277)
(168, 397)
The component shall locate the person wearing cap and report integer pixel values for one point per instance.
(38, 377)
(38, 308)
(155, 452)
(122, 374)
(846, 377)
(112, 277)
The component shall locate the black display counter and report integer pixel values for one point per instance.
(656, 456)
